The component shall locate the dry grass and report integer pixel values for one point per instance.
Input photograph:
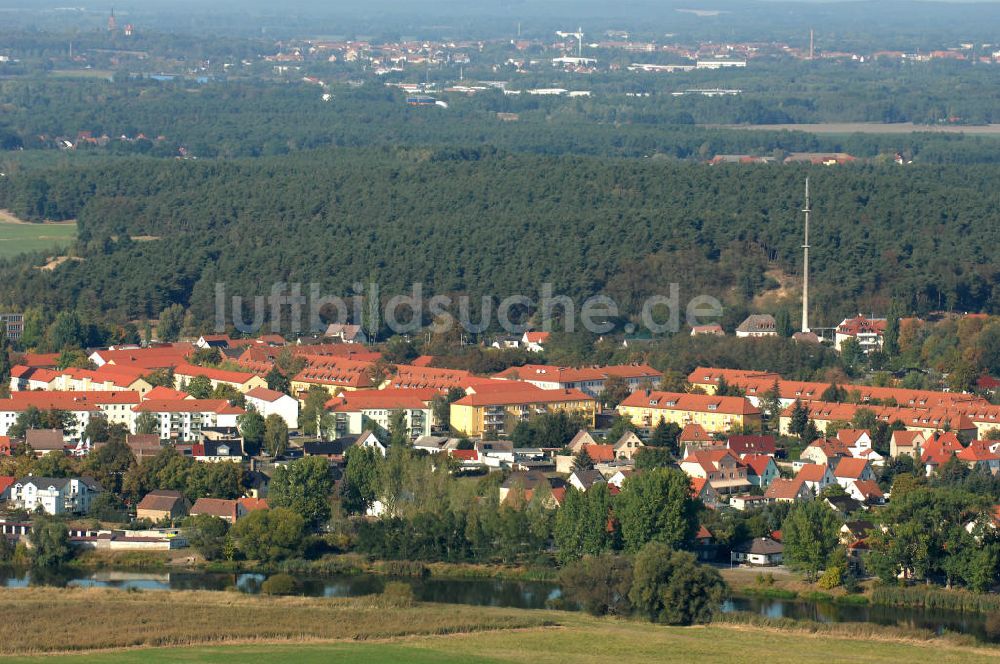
(51, 620)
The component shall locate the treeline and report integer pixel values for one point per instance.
(488, 223)
(243, 118)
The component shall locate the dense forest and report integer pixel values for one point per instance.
(487, 222)
(256, 118)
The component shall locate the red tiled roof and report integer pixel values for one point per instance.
(752, 444)
(387, 399)
(464, 455)
(422, 361)
(536, 337)
(6, 481)
(211, 373)
(782, 489)
(850, 468)
(506, 392)
(601, 453)
(812, 472)
(547, 373)
(252, 504)
(869, 489)
(217, 406)
(159, 393)
(265, 394)
(69, 401)
(701, 403)
(758, 463)
(216, 507)
(41, 360)
(694, 433)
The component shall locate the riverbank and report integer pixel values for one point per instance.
(330, 565)
(106, 626)
(783, 584)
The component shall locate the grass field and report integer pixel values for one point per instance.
(226, 627)
(17, 237)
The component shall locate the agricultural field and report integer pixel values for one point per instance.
(222, 627)
(18, 237)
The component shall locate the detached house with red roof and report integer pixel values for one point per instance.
(788, 491)
(720, 467)
(868, 332)
(761, 469)
(535, 341)
(908, 443)
(816, 477)
(850, 470)
(981, 455)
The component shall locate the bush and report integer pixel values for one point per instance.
(599, 584)
(831, 578)
(280, 584)
(409, 568)
(398, 595)
(993, 626)
(670, 586)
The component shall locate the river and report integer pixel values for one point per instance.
(489, 592)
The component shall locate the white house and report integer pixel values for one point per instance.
(849, 471)
(64, 495)
(270, 402)
(535, 341)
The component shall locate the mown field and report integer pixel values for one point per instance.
(103, 626)
(17, 237)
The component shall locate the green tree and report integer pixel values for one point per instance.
(583, 460)
(5, 363)
(66, 332)
(810, 535)
(109, 464)
(147, 423)
(621, 425)
(399, 433)
(600, 584)
(108, 507)
(665, 435)
(313, 409)
(362, 479)
(656, 506)
(207, 534)
(275, 435)
(615, 391)
(670, 586)
(269, 535)
(653, 457)
(799, 419)
(783, 323)
(200, 387)
(278, 381)
(303, 486)
(581, 524)
(171, 322)
(50, 542)
(252, 426)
